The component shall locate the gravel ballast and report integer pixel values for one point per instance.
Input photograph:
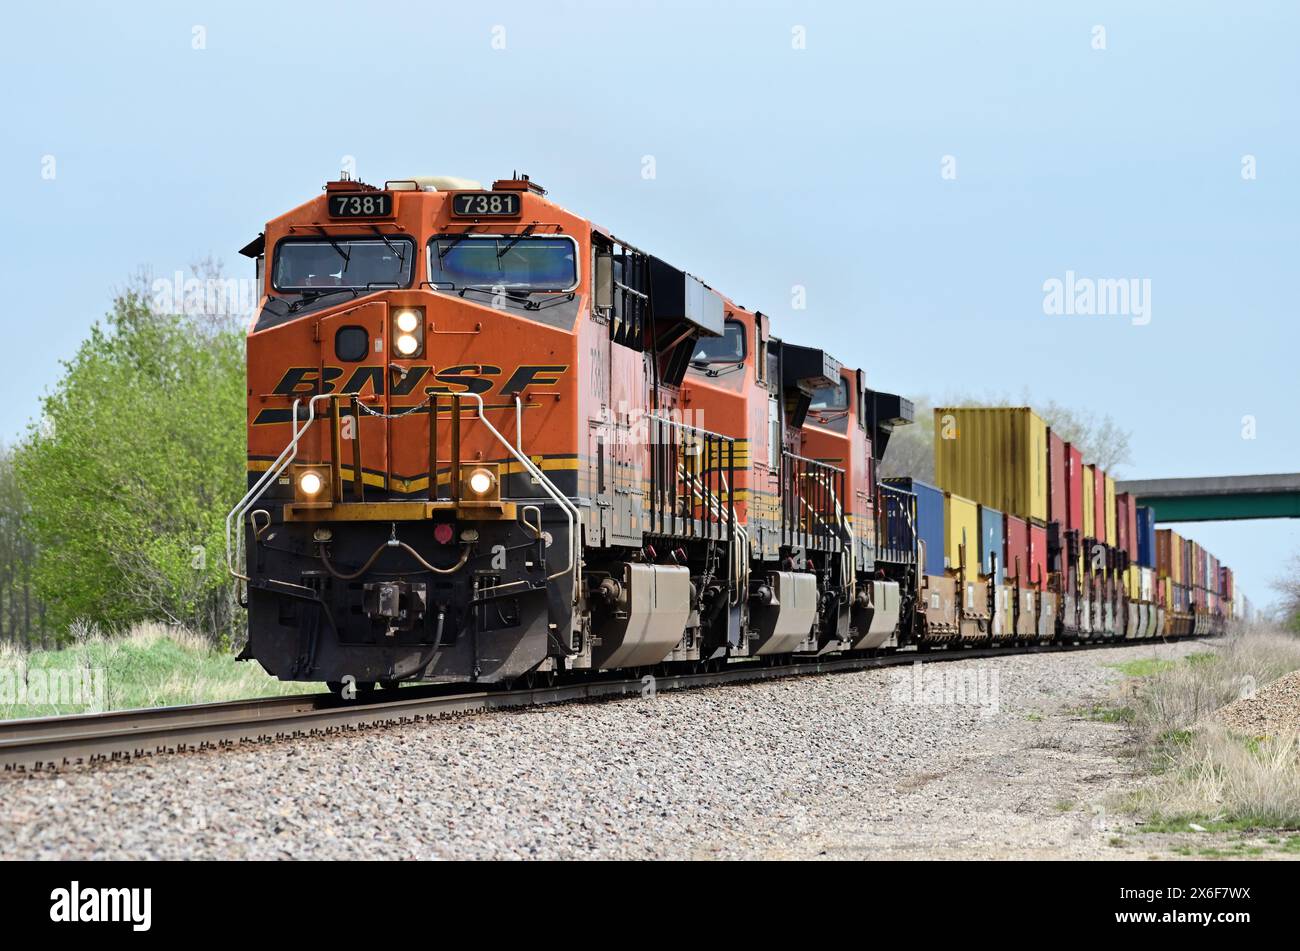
(849, 765)
(1273, 711)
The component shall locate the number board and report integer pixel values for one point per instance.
(361, 205)
(485, 204)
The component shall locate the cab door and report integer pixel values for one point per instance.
(354, 359)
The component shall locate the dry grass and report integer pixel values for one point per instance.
(1179, 697)
(1205, 772)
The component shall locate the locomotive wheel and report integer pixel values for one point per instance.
(536, 679)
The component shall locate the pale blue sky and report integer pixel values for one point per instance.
(775, 167)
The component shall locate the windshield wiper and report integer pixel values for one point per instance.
(712, 373)
(457, 239)
(309, 297)
(513, 241)
(401, 255)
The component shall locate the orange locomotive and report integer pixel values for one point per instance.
(488, 439)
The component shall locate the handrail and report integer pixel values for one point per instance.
(572, 515)
(290, 452)
(272, 473)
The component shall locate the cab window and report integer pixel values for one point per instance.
(349, 263)
(729, 348)
(831, 397)
(512, 262)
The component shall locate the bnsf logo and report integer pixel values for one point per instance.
(467, 378)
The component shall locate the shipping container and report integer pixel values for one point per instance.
(961, 517)
(1170, 554)
(1148, 583)
(1121, 523)
(1015, 549)
(1111, 518)
(1225, 587)
(1074, 487)
(1130, 517)
(1146, 519)
(992, 544)
(1099, 503)
(994, 456)
(1058, 499)
(1038, 555)
(1089, 503)
(929, 521)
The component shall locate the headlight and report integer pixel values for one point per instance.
(481, 481)
(310, 483)
(408, 332)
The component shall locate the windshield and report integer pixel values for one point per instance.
(343, 263)
(729, 348)
(519, 263)
(831, 397)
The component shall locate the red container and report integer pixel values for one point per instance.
(1126, 525)
(1038, 555)
(1057, 497)
(1121, 521)
(1015, 550)
(1099, 513)
(1132, 529)
(1073, 489)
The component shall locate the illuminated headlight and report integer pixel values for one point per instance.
(408, 332)
(310, 483)
(481, 481)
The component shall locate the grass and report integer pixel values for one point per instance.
(1146, 667)
(153, 665)
(1202, 773)
(1103, 713)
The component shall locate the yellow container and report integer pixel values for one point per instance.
(1112, 538)
(1133, 579)
(1176, 561)
(1089, 503)
(996, 456)
(962, 519)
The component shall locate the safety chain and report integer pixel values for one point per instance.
(378, 415)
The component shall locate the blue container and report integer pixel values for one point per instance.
(929, 521)
(991, 542)
(1146, 526)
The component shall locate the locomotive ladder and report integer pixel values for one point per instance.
(694, 469)
(811, 513)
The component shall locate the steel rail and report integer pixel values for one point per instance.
(53, 742)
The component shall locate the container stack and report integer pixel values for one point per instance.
(1065, 529)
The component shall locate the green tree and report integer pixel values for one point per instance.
(128, 478)
(21, 612)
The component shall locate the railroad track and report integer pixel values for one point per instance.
(54, 742)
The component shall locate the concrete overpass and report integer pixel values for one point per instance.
(1218, 498)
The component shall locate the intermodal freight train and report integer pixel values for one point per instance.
(489, 440)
